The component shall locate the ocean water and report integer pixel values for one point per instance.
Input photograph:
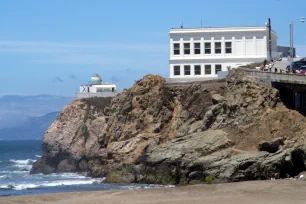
(16, 159)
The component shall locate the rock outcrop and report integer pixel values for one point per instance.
(156, 133)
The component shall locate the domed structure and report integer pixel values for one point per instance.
(95, 88)
(96, 79)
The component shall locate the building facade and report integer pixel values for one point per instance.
(96, 89)
(203, 52)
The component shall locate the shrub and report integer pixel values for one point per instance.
(209, 179)
(85, 132)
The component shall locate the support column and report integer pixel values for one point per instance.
(192, 70)
(254, 46)
(181, 47)
(266, 47)
(222, 46)
(191, 47)
(202, 47)
(243, 46)
(171, 47)
(202, 70)
(212, 46)
(297, 97)
(233, 46)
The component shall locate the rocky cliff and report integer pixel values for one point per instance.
(156, 133)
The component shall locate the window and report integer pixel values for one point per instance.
(177, 70)
(187, 48)
(197, 69)
(207, 48)
(208, 69)
(176, 48)
(228, 47)
(187, 69)
(218, 68)
(197, 48)
(218, 48)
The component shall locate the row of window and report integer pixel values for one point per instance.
(197, 69)
(198, 50)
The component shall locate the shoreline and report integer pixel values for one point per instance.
(250, 192)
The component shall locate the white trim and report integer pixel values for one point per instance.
(219, 30)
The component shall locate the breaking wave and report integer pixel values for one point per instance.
(23, 165)
(23, 162)
(9, 172)
(51, 184)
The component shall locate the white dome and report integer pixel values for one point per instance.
(96, 79)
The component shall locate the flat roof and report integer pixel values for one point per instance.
(218, 29)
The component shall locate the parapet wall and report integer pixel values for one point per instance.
(99, 94)
(268, 77)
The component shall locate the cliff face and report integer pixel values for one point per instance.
(153, 133)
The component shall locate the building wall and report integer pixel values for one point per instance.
(90, 95)
(226, 64)
(95, 88)
(87, 89)
(248, 45)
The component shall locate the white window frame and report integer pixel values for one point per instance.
(175, 49)
(216, 68)
(207, 48)
(205, 69)
(194, 68)
(179, 69)
(185, 66)
(185, 49)
(228, 47)
(218, 48)
(194, 48)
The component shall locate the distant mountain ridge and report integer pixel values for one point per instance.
(28, 117)
(17, 109)
(32, 129)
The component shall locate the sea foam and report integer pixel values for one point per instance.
(25, 186)
(24, 162)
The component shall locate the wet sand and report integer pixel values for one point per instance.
(269, 192)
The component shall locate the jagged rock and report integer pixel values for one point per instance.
(196, 127)
(83, 165)
(41, 167)
(66, 166)
(217, 98)
(154, 133)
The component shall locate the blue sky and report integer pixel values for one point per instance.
(50, 47)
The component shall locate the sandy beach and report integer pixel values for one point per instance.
(270, 192)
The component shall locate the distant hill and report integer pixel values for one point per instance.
(15, 110)
(32, 129)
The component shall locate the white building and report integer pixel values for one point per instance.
(96, 89)
(202, 52)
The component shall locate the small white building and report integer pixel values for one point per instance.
(96, 89)
(203, 52)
